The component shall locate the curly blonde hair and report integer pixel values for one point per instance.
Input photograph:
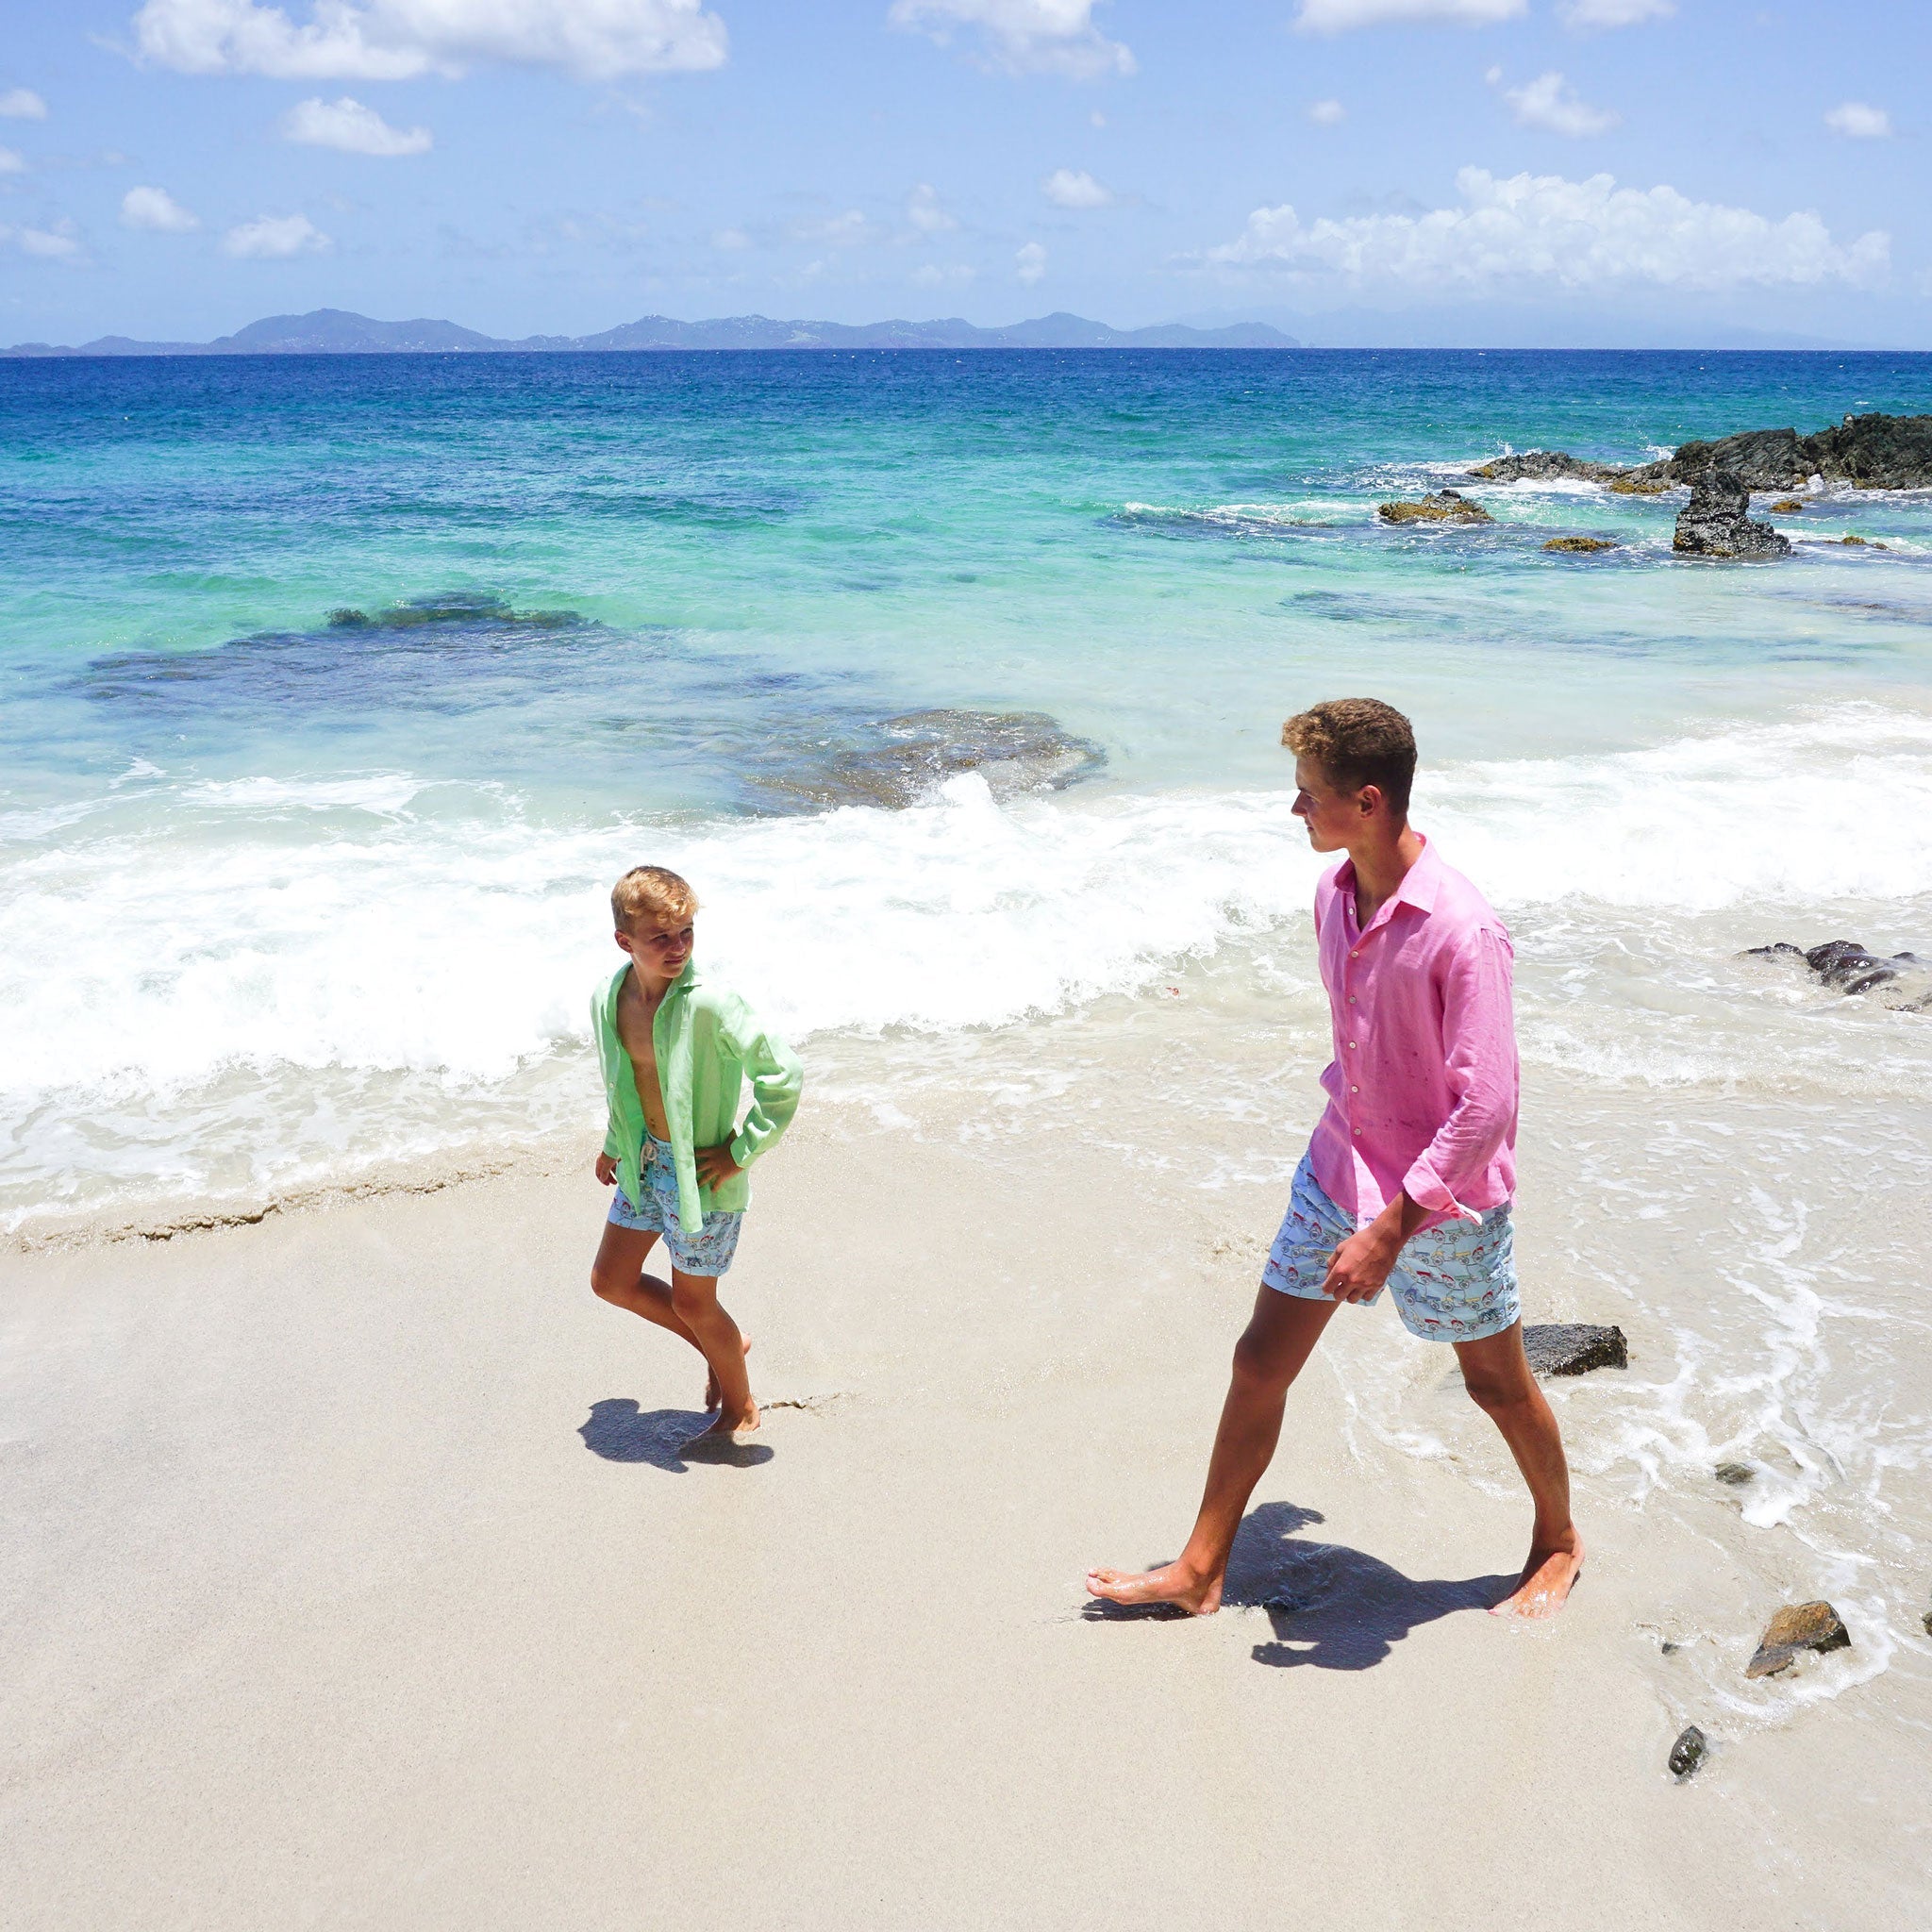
(653, 889)
(1357, 741)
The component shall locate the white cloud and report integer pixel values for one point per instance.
(923, 211)
(850, 230)
(1585, 234)
(1076, 187)
(730, 239)
(10, 162)
(1859, 122)
(932, 275)
(155, 208)
(22, 104)
(275, 237)
(1549, 103)
(1327, 113)
(1023, 36)
(57, 244)
(1343, 16)
(352, 127)
(1587, 14)
(394, 39)
(1029, 264)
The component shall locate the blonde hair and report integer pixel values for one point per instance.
(650, 889)
(1357, 741)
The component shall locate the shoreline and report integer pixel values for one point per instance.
(357, 1561)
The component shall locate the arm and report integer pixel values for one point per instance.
(777, 1080)
(1479, 1042)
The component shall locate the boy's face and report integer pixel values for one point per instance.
(659, 948)
(1332, 814)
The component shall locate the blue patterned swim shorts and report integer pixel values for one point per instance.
(1452, 1282)
(708, 1252)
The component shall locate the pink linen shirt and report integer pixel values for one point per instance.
(1423, 1088)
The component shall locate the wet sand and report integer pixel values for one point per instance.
(355, 1579)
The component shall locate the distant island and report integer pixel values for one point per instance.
(337, 332)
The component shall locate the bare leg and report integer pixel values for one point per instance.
(1279, 1337)
(694, 1300)
(1498, 1377)
(617, 1276)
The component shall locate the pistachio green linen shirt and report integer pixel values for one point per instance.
(707, 1042)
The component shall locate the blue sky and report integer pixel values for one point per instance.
(1479, 171)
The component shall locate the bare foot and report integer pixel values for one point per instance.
(1545, 1583)
(730, 1427)
(1171, 1584)
(714, 1394)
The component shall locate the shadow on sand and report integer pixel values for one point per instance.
(1331, 1606)
(620, 1431)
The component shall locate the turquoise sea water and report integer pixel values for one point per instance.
(288, 895)
(337, 690)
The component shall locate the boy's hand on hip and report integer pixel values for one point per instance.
(606, 1170)
(716, 1166)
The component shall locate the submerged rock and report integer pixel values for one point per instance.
(1653, 479)
(897, 761)
(1440, 507)
(1736, 1473)
(1539, 465)
(1688, 1752)
(1849, 966)
(1788, 507)
(1579, 543)
(1574, 1348)
(1797, 1627)
(1717, 522)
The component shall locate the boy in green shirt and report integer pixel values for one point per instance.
(675, 1051)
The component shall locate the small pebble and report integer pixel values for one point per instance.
(1736, 1473)
(1688, 1752)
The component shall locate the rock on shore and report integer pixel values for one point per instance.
(1796, 1628)
(1574, 1348)
(1717, 522)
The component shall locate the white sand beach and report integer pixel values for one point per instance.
(355, 1579)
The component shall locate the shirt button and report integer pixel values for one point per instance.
(1350, 1047)
(1357, 1133)
(1356, 1089)
(1351, 999)
(1357, 954)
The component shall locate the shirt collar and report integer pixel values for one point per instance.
(1419, 887)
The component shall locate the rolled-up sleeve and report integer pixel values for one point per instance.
(1480, 1055)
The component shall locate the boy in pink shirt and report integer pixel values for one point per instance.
(1409, 1179)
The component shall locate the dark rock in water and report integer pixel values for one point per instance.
(1870, 452)
(1582, 544)
(1796, 1628)
(1760, 459)
(1440, 507)
(1651, 479)
(1788, 507)
(1688, 1752)
(1574, 1348)
(1847, 966)
(1716, 522)
(1734, 1473)
(1537, 465)
(899, 760)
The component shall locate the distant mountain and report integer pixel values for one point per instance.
(337, 332)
